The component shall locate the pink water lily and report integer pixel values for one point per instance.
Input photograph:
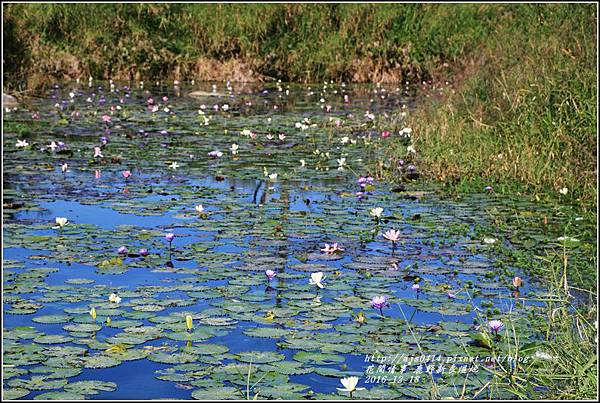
(517, 282)
(270, 274)
(393, 236)
(106, 118)
(331, 248)
(98, 152)
(126, 174)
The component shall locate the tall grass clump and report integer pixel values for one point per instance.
(522, 113)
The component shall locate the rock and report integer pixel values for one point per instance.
(9, 100)
(204, 94)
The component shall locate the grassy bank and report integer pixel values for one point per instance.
(292, 42)
(522, 114)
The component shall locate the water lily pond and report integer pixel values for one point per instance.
(234, 244)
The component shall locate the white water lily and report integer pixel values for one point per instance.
(316, 278)
(341, 163)
(489, 240)
(64, 167)
(273, 176)
(174, 165)
(563, 191)
(302, 163)
(21, 143)
(281, 136)
(61, 222)
(199, 208)
(345, 139)
(234, 148)
(411, 149)
(53, 146)
(349, 384)
(376, 212)
(114, 298)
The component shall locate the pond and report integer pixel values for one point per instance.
(262, 188)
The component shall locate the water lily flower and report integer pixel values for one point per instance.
(349, 385)
(234, 148)
(273, 176)
(93, 313)
(174, 165)
(53, 146)
(563, 191)
(122, 250)
(114, 298)
(97, 174)
(376, 212)
(379, 302)
(344, 139)
(143, 252)
(517, 282)
(215, 154)
(385, 134)
(489, 241)
(106, 118)
(64, 167)
(316, 278)
(199, 208)
(98, 152)
(270, 274)
(331, 248)
(495, 325)
(126, 174)
(450, 295)
(416, 288)
(392, 236)
(302, 163)
(61, 222)
(488, 188)
(411, 149)
(341, 163)
(189, 322)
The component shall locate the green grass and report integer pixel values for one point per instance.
(523, 114)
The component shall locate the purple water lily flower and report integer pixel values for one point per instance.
(416, 287)
(169, 237)
(379, 302)
(270, 274)
(143, 252)
(495, 325)
(123, 250)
